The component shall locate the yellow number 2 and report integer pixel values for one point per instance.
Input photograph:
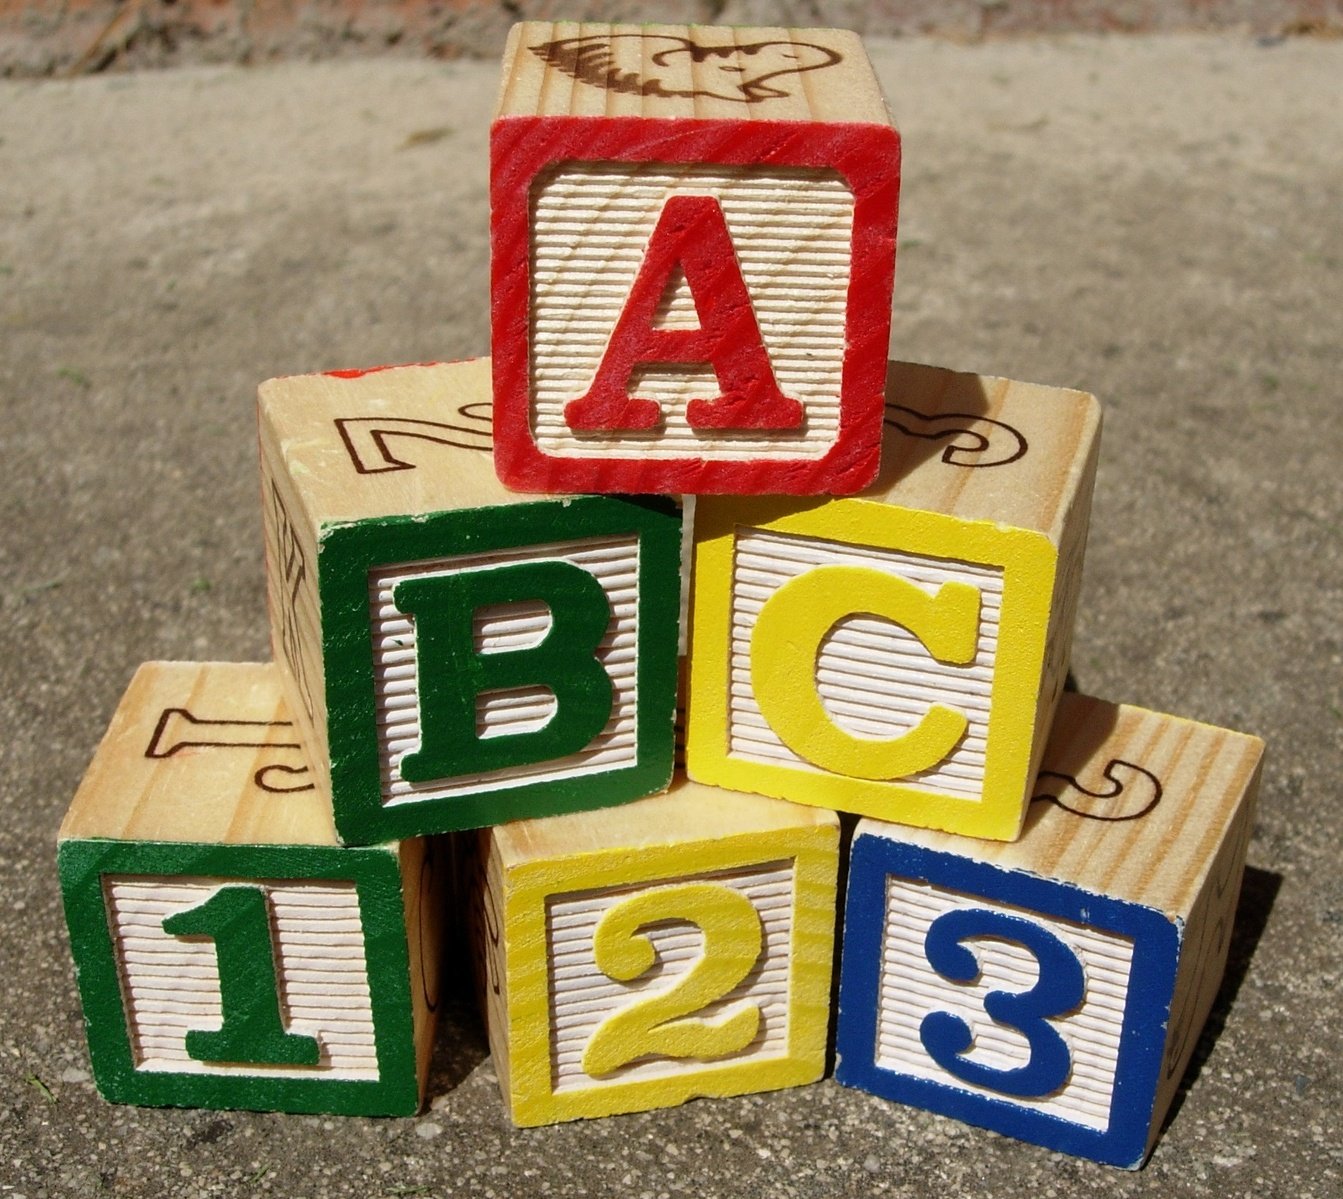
(664, 1024)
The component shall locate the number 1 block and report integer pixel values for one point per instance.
(674, 947)
(230, 953)
(693, 251)
(1053, 989)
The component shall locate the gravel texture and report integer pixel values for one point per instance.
(1155, 220)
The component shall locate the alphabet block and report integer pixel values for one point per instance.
(900, 654)
(230, 954)
(693, 243)
(1053, 989)
(461, 654)
(674, 947)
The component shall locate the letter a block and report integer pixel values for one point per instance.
(900, 654)
(461, 654)
(674, 947)
(1053, 989)
(693, 238)
(230, 953)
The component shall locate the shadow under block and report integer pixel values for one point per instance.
(1053, 989)
(461, 654)
(230, 953)
(900, 654)
(693, 252)
(675, 947)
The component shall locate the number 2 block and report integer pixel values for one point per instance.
(1053, 989)
(693, 234)
(459, 653)
(899, 654)
(230, 953)
(677, 946)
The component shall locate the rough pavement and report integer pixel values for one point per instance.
(1154, 220)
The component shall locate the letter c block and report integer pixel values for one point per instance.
(459, 654)
(693, 253)
(899, 654)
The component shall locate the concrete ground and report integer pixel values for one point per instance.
(1154, 220)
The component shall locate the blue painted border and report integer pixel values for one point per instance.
(1142, 1042)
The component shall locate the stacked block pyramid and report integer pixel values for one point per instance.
(686, 504)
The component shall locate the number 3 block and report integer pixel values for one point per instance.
(693, 234)
(1053, 989)
(230, 954)
(461, 654)
(674, 947)
(900, 654)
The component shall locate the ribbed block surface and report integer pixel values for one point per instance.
(171, 984)
(582, 997)
(910, 989)
(792, 230)
(613, 562)
(875, 678)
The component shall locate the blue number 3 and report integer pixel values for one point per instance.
(1059, 989)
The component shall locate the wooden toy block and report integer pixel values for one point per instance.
(1053, 989)
(230, 953)
(900, 654)
(674, 947)
(693, 251)
(461, 654)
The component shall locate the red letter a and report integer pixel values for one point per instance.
(691, 233)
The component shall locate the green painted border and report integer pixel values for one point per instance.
(346, 553)
(376, 874)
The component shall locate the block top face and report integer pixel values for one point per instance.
(353, 440)
(201, 753)
(984, 448)
(1128, 803)
(688, 71)
(688, 812)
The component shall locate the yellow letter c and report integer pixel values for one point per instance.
(787, 639)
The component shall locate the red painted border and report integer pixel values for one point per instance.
(866, 156)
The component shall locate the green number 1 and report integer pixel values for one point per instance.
(237, 920)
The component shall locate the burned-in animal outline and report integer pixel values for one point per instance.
(592, 59)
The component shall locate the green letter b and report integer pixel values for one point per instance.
(453, 672)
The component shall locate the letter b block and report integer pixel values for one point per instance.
(693, 255)
(674, 947)
(230, 952)
(460, 653)
(1053, 989)
(899, 654)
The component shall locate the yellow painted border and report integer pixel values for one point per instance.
(814, 852)
(1029, 561)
